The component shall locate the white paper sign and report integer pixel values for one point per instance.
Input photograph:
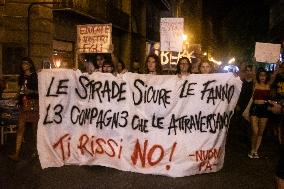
(149, 124)
(94, 38)
(267, 52)
(171, 31)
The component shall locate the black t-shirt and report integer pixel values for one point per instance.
(29, 82)
(245, 95)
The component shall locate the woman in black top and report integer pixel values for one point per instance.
(28, 101)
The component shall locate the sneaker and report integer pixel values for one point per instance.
(255, 155)
(251, 155)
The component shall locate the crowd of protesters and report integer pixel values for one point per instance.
(261, 102)
(260, 96)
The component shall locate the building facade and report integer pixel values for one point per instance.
(45, 30)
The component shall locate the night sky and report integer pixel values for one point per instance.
(237, 25)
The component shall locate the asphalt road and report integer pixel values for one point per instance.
(239, 172)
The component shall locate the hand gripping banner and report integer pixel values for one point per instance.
(164, 125)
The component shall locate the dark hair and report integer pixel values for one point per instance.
(157, 61)
(122, 63)
(179, 62)
(29, 60)
(95, 62)
(248, 67)
(259, 70)
(107, 62)
(100, 55)
(33, 72)
(205, 61)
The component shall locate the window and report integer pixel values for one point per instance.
(12, 56)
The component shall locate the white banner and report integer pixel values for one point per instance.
(149, 124)
(94, 38)
(267, 52)
(171, 31)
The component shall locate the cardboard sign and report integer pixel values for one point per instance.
(171, 30)
(94, 38)
(267, 52)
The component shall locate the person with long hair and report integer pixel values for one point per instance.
(183, 67)
(205, 67)
(153, 65)
(120, 67)
(28, 102)
(99, 62)
(259, 110)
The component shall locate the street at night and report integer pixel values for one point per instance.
(142, 94)
(238, 172)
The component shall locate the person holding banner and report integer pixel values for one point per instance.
(153, 65)
(99, 62)
(108, 67)
(183, 67)
(259, 110)
(205, 67)
(89, 66)
(120, 67)
(135, 67)
(28, 101)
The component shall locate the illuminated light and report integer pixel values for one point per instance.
(215, 61)
(205, 53)
(232, 60)
(57, 63)
(231, 68)
(184, 37)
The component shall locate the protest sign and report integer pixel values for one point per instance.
(267, 52)
(149, 124)
(171, 31)
(94, 38)
(170, 59)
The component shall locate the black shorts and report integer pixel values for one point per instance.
(259, 110)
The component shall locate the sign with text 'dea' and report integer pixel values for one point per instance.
(164, 125)
(94, 38)
(171, 32)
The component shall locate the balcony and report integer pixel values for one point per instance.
(99, 10)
